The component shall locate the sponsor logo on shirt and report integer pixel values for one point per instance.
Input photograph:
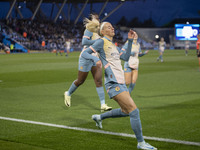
(115, 55)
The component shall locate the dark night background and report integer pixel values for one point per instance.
(140, 13)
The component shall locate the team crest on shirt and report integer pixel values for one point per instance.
(117, 88)
(81, 67)
(125, 69)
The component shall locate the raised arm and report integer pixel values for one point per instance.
(86, 40)
(141, 53)
(125, 54)
(96, 47)
(126, 46)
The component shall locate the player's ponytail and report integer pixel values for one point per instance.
(91, 25)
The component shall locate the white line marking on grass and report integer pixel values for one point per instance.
(101, 131)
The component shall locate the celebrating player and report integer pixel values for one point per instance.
(131, 66)
(89, 37)
(110, 56)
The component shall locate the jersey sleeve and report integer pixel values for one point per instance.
(125, 53)
(86, 40)
(125, 46)
(96, 47)
(140, 51)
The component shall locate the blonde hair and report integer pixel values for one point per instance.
(101, 27)
(91, 25)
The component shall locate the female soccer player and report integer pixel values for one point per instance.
(198, 49)
(187, 46)
(89, 37)
(162, 46)
(110, 56)
(131, 66)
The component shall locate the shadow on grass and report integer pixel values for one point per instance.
(186, 105)
(168, 95)
(78, 100)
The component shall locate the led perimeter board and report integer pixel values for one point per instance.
(186, 31)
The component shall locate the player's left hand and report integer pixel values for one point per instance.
(131, 34)
(146, 51)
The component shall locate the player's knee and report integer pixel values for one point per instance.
(128, 82)
(79, 82)
(125, 111)
(133, 81)
(98, 82)
(129, 108)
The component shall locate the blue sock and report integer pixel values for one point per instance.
(131, 87)
(101, 94)
(161, 57)
(72, 88)
(113, 114)
(136, 124)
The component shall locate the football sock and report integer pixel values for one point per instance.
(131, 87)
(161, 57)
(113, 114)
(101, 94)
(72, 88)
(136, 124)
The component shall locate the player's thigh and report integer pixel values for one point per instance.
(127, 76)
(96, 72)
(125, 102)
(82, 76)
(134, 76)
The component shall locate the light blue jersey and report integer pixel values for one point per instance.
(110, 56)
(162, 46)
(88, 39)
(133, 62)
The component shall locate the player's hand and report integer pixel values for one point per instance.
(131, 34)
(99, 64)
(146, 51)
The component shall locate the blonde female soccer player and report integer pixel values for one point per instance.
(162, 45)
(110, 56)
(131, 66)
(89, 37)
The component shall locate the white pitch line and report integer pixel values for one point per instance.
(101, 131)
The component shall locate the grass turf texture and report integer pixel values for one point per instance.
(32, 87)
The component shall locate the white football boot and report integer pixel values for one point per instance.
(105, 107)
(67, 99)
(98, 121)
(145, 146)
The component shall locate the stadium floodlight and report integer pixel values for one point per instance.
(156, 36)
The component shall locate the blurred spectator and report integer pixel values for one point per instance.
(60, 35)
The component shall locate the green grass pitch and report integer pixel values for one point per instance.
(32, 87)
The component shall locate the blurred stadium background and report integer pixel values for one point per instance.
(47, 25)
(32, 85)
